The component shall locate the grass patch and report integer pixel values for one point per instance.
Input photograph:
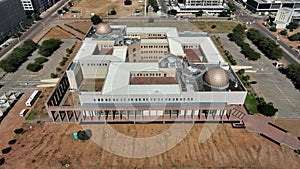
(31, 116)
(251, 102)
(220, 27)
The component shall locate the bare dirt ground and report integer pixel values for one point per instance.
(57, 32)
(227, 147)
(83, 26)
(103, 7)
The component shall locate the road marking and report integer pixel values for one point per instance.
(283, 94)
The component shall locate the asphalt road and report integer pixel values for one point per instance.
(289, 54)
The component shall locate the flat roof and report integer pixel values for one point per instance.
(169, 31)
(117, 80)
(86, 49)
(207, 46)
(154, 41)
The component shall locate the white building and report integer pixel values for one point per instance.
(110, 82)
(207, 6)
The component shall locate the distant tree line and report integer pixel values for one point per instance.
(266, 45)
(18, 56)
(238, 36)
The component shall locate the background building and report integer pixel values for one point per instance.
(37, 6)
(261, 6)
(193, 6)
(283, 17)
(11, 14)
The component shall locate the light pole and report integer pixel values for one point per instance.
(20, 24)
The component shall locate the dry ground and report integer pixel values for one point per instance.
(83, 26)
(57, 32)
(227, 147)
(102, 7)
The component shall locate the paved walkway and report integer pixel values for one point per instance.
(260, 125)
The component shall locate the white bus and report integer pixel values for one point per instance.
(32, 98)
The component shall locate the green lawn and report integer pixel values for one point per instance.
(221, 26)
(251, 103)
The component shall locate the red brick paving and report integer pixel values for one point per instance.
(152, 80)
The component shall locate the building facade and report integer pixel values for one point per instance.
(37, 6)
(190, 82)
(11, 15)
(261, 6)
(207, 6)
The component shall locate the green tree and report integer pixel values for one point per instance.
(113, 12)
(293, 73)
(49, 46)
(127, 2)
(267, 109)
(292, 25)
(295, 37)
(96, 19)
(273, 29)
(34, 67)
(283, 32)
(40, 60)
(59, 12)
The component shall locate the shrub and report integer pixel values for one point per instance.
(53, 75)
(62, 63)
(12, 141)
(34, 67)
(6, 150)
(40, 60)
(127, 2)
(273, 29)
(19, 131)
(69, 51)
(283, 32)
(113, 12)
(58, 69)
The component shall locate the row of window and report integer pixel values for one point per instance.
(155, 51)
(148, 74)
(95, 64)
(142, 99)
(154, 46)
(151, 57)
(188, 47)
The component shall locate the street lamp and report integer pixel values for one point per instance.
(20, 24)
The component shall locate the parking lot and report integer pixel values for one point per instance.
(271, 84)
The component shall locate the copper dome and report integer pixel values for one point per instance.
(103, 29)
(216, 77)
